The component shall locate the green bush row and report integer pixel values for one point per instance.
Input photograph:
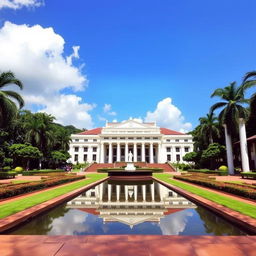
(220, 173)
(137, 169)
(18, 189)
(237, 189)
(29, 173)
(7, 175)
(248, 174)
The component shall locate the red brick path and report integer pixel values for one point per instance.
(124, 245)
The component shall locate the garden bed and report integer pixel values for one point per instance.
(42, 172)
(220, 173)
(250, 175)
(10, 190)
(236, 189)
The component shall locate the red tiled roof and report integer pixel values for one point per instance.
(166, 131)
(95, 131)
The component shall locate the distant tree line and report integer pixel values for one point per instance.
(27, 139)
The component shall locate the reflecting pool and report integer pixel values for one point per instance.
(114, 207)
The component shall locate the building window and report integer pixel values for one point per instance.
(168, 140)
(177, 158)
(94, 140)
(147, 138)
(94, 157)
(168, 149)
(186, 149)
(85, 158)
(155, 138)
(122, 138)
(186, 140)
(106, 138)
(85, 140)
(130, 138)
(177, 149)
(85, 149)
(94, 149)
(76, 157)
(76, 149)
(169, 158)
(139, 138)
(177, 140)
(76, 140)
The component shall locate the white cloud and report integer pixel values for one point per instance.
(169, 116)
(69, 109)
(17, 4)
(36, 56)
(107, 109)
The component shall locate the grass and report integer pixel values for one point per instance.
(21, 181)
(244, 208)
(27, 202)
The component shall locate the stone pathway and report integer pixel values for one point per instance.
(127, 245)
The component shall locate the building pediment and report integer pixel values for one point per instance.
(131, 124)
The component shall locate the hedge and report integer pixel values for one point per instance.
(237, 189)
(248, 175)
(220, 173)
(7, 175)
(122, 169)
(10, 190)
(29, 173)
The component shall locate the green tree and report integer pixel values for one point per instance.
(214, 154)
(232, 108)
(209, 127)
(192, 157)
(24, 153)
(8, 108)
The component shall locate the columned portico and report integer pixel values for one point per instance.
(112, 143)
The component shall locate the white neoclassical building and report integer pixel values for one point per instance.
(112, 143)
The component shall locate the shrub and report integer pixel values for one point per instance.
(43, 172)
(237, 189)
(7, 175)
(6, 168)
(10, 190)
(18, 169)
(223, 168)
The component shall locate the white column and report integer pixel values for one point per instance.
(126, 152)
(101, 191)
(118, 192)
(159, 153)
(110, 155)
(80, 154)
(109, 192)
(89, 154)
(102, 153)
(151, 156)
(229, 151)
(143, 152)
(135, 152)
(144, 192)
(243, 146)
(152, 188)
(136, 193)
(118, 152)
(126, 192)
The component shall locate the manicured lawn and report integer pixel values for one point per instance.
(21, 181)
(27, 202)
(233, 204)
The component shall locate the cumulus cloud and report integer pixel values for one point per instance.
(169, 116)
(18, 4)
(107, 109)
(36, 56)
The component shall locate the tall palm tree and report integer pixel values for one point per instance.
(8, 108)
(249, 81)
(209, 127)
(232, 113)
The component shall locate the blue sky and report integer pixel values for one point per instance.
(135, 54)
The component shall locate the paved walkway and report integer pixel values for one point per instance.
(127, 245)
(27, 178)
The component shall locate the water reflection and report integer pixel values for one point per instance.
(128, 208)
(130, 203)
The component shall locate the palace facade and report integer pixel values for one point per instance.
(146, 141)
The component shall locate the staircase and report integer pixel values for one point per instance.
(94, 167)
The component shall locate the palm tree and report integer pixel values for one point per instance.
(209, 127)
(8, 108)
(232, 112)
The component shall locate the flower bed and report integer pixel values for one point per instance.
(10, 190)
(42, 172)
(237, 189)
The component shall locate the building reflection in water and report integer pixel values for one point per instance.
(130, 203)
